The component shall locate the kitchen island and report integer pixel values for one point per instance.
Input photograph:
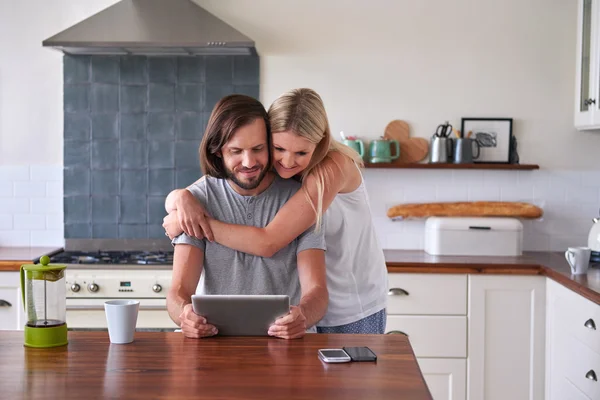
(168, 365)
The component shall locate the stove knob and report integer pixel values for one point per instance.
(92, 287)
(156, 288)
(75, 287)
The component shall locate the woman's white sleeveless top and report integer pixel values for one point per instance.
(356, 270)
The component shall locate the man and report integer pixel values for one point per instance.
(240, 188)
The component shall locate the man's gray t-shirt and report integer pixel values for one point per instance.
(228, 271)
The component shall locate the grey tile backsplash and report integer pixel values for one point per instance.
(132, 127)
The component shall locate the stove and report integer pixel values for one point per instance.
(93, 277)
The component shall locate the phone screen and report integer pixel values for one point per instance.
(334, 353)
(360, 353)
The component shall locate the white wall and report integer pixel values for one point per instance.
(372, 61)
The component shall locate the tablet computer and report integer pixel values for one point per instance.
(241, 315)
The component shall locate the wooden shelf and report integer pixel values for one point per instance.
(455, 166)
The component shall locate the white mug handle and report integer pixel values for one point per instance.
(568, 255)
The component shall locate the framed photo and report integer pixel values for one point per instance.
(494, 136)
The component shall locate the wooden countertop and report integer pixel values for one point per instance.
(168, 365)
(11, 258)
(551, 264)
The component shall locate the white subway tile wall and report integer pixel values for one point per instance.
(31, 205)
(570, 200)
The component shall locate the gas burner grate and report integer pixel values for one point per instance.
(114, 257)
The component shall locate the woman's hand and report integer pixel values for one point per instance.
(192, 216)
(171, 225)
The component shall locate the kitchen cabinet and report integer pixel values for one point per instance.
(432, 310)
(573, 345)
(12, 315)
(506, 346)
(587, 93)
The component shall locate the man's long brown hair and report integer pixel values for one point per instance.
(230, 113)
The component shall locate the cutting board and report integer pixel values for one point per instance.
(412, 150)
(466, 209)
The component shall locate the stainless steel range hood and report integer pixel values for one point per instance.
(152, 27)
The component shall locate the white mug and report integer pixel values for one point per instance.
(579, 259)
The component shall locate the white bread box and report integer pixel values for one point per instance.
(473, 236)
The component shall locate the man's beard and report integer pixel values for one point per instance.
(247, 185)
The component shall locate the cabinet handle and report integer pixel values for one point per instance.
(397, 292)
(4, 303)
(396, 333)
(591, 101)
(590, 324)
(591, 375)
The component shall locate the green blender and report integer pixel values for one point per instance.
(44, 299)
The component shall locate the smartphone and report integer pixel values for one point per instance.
(334, 356)
(360, 353)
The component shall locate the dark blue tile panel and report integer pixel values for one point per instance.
(76, 181)
(133, 209)
(105, 231)
(78, 230)
(161, 97)
(161, 155)
(160, 181)
(105, 126)
(105, 182)
(76, 98)
(246, 70)
(133, 126)
(105, 209)
(134, 182)
(190, 69)
(77, 126)
(219, 70)
(162, 69)
(134, 69)
(133, 154)
(133, 231)
(77, 209)
(105, 154)
(76, 69)
(77, 153)
(105, 69)
(105, 98)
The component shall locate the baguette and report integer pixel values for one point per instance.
(466, 209)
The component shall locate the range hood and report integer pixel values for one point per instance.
(152, 27)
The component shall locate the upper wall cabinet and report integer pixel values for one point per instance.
(587, 95)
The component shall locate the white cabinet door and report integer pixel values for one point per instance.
(506, 337)
(12, 316)
(571, 344)
(445, 378)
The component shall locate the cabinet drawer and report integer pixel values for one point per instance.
(427, 294)
(9, 308)
(581, 363)
(581, 317)
(439, 336)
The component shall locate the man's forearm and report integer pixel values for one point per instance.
(314, 304)
(175, 304)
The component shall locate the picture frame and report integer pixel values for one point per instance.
(494, 136)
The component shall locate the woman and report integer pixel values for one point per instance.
(332, 184)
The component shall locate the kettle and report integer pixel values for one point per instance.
(594, 241)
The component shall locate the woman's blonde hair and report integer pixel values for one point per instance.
(301, 111)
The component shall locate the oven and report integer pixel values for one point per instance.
(95, 277)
